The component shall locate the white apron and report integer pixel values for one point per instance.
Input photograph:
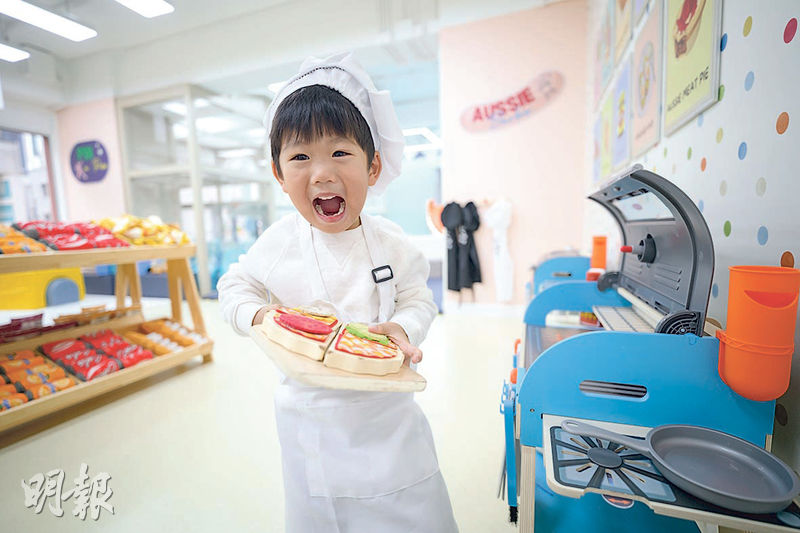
(356, 461)
(498, 217)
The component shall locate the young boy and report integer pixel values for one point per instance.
(352, 461)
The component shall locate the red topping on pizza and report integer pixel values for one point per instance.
(304, 324)
(328, 319)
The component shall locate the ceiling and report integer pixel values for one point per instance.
(407, 68)
(119, 27)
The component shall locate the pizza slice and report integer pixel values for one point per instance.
(300, 331)
(358, 350)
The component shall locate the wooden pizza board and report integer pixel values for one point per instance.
(309, 372)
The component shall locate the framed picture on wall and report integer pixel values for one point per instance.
(597, 141)
(621, 123)
(604, 49)
(692, 56)
(639, 9)
(623, 28)
(606, 121)
(646, 84)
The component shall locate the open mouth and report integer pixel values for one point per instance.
(329, 208)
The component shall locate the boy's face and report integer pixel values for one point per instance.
(327, 180)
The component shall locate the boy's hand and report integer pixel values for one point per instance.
(398, 336)
(259, 318)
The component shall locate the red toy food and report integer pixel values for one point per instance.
(304, 324)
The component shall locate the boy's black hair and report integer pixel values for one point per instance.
(316, 110)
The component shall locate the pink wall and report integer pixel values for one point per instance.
(87, 122)
(537, 162)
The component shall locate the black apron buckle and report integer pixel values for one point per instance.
(382, 273)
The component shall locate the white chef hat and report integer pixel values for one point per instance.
(342, 73)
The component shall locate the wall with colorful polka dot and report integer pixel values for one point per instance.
(739, 161)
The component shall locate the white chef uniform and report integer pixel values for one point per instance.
(352, 461)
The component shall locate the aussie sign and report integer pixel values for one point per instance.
(516, 106)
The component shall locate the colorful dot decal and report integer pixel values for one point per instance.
(700, 119)
(715, 290)
(700, 205)
(719, 135)
(761, 186)
(703, 164)
(726, 228)
(721, 92)
(788, 32)
(763, 235)
(782, 123)
(665, 151)
(748, 25)
(723, 187)
(743, 150)
(689, 153)
(787, 259)
(748, 80)
(724, 42)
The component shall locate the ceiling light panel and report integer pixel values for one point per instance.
(148, 8)
(11, 54)
(41, 18)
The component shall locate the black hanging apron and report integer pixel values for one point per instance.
(451, 219)
(469, 268)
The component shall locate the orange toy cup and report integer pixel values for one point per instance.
(598, 259)
(762, 304)
(755, 353)
(757, 372)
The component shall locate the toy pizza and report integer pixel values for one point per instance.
(301, 331)
(358, 350)
(352, 348)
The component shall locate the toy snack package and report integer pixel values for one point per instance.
(146, 341)
(14, 400)
(301, 331)
(9, 389)
(63, 236)
(144, 231)
(28, 378)
(89, 364)
(9, 367)
(51, 387)
(59, 349)
(130, 354)
(14, 242)
(19, 354)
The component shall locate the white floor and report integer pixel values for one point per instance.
(195, 448)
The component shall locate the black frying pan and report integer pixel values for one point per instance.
(712, 465)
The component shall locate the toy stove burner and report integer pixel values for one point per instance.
(585, 462)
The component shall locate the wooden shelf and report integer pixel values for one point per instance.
(90, 389)
(96, 256)
(181, 284)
